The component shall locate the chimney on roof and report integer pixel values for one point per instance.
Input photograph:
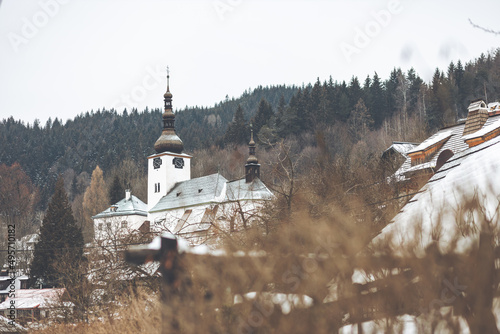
(127, 194)
(477, 116)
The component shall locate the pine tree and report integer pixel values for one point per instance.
(360, 120)
(58, 254)
(237, 131)
(280, 115)
(116, 191)
(263, 115)
(378, 105)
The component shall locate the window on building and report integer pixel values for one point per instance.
(108, 225)
(124, 224)
(100, 226)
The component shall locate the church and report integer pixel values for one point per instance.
(199, 210)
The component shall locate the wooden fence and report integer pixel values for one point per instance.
(199, 287)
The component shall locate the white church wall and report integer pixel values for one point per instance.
(164, 171)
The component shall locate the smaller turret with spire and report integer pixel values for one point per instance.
(252, 167)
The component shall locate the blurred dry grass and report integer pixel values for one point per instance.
(138, 312)
(315, 258)
(313, 244)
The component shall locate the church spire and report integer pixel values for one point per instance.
(168, 141)
(252, 167)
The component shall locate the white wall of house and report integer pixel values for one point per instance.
(111, 228)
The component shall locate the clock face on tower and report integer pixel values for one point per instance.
(156, 163)
(178, 162)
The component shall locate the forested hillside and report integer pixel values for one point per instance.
(401, 105)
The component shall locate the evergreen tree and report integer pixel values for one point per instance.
(58, 254)
(291, 123)
(280, 117)
(237, 131)
(360, 120)
(263, 116)
(378, 105)
(355, 92)
(116, 191)
(415, 83)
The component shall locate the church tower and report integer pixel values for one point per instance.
(252, 167)
(169, 165)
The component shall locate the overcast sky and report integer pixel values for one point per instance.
(59, 58)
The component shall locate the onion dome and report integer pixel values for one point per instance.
(168, 141)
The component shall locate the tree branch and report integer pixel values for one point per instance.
(491, 31)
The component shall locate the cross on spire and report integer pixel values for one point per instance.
(168, 79)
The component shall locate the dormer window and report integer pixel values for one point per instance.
(426, 150)
(113, 208)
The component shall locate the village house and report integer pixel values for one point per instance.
(36, 304)
(195, 209)
(122, 219)
(7, 284)
(457, 164)
(424, 160)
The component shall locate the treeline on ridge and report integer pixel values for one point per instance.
(396, 105)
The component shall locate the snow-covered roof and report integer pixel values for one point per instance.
(211, 189)
(492, 126)
(493, 106)
(401, 147)
(34, 298)
(126, 207)
(432, 140)
(239, 190)
(436, 213)
(454, 143)
(202, 190)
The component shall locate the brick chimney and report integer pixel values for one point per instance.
(477, 116)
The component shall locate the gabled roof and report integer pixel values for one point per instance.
(125, 207)
(488, 128)
(437, 213)
(35, 298)
(437, 138)
(401, 147)
(239, 190)
(202, 190)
